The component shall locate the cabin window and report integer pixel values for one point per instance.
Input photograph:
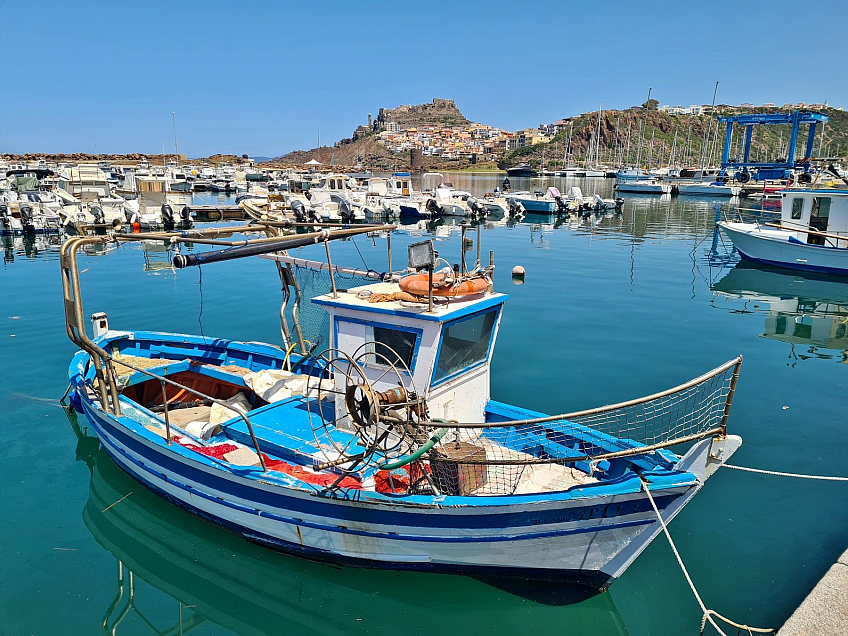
(465, 344)
(797, 207)
(387, 340)
(821, 207)
(819, 218)
(803, 328)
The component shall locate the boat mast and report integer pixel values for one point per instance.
(598, 135)
(570, 139)
(673, 150)
(615, 143)
(641, 136)
(651, 151)
(707, 135)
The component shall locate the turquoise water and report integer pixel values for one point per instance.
(611, 309)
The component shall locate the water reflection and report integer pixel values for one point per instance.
(210, 575)
(807, 311)
(33, 247)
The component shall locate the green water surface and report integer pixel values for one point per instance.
(612, 308)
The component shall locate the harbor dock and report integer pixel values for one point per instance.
(825, 610)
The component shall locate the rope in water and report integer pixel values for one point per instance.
(708, 613)
(780, 474)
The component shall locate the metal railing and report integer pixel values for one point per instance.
(104, 364)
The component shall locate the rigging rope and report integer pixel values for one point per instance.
(780, 474)
(708, 613)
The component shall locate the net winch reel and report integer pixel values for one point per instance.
(385, 425)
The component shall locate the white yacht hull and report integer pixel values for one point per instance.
(773, 247)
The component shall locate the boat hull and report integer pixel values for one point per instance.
(641, 187)
(538, 205)
(758, 247)
(695, 189)
(587, 541)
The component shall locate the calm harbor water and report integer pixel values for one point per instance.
(612, 308)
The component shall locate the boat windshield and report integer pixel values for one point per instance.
(465, 343)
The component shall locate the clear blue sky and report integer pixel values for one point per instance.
(261, 77)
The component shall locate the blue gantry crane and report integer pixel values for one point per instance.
(743, 169)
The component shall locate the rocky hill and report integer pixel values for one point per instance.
(620, 137)
(362, 148)
(439, 111)
(620, 134)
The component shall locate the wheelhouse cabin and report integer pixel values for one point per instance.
(819, 210)
(446, 353)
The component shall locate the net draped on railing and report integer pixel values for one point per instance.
(546, 454)
(313, 277)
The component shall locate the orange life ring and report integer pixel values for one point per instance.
(418, 285)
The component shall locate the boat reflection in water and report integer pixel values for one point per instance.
(214, 576)
(804, 309)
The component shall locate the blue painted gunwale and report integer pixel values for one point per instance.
(245, 479)
(464, 524)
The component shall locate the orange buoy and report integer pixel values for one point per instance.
(136, 226)
(418, 285)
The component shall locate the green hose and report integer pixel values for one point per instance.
(437, 437)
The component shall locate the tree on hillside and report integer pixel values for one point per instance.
(651, 104)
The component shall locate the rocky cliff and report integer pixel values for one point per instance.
(439, 111)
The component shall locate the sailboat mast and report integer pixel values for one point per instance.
(673, 150)
(709, 129)
(598, 135)
(641, 135)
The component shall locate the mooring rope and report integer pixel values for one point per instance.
(708, 613)
(780, 474)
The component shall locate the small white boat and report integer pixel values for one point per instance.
(707, 188)
(642, 186)
(812, 233)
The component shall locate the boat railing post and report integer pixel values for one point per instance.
(731, 391)
(389, 245)
(477, 265)
(298, 299)
(75, 324)
(430, 289)
(330, 267)
(165, 412)
(462, 248)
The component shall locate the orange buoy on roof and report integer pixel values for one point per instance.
(418, 284)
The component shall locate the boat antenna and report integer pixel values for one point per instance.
(176, 152)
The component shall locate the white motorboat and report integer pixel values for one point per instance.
(708, 188)
(642, 186)
(812, 233)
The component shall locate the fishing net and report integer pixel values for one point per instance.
(313, 279)
(550, 454)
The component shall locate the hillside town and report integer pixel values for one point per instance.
(479, 142)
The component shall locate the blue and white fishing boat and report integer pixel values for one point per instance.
(811, 234)
(388, 451)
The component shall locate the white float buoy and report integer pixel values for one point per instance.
(518, 275)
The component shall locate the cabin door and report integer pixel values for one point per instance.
(819, 217)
